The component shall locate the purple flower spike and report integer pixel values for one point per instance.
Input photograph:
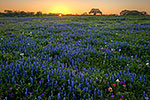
(30, 92)
(10, 88)
(112, 95)
(11, 94)
(42, 94)
(121, 82)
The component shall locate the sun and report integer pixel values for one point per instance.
(60, 14)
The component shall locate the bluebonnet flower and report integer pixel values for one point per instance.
(144, 93)
(5, 98)
(37, 90)
(64, 98)
(40, 83)
(92, 98)
(49, 98)
(131, 80)
(26, 92)
(31, 79)
(58, 96)
(21, 84)
(13, 80)
(146, 98)
(39, 97)
(72, 83)
(95, 91)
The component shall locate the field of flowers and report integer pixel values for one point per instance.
(75, 58)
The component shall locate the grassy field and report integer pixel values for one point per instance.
(75, 58)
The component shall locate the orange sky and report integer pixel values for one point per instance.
(75, 6)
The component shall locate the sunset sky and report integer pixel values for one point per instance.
(75, 6)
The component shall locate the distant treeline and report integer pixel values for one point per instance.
(132, 12)
(10, 13)
(96, 11)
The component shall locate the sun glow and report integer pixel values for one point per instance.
(61, 10)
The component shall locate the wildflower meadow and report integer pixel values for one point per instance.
(75, 58)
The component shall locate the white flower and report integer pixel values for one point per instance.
(119, 49)
(22, 54)
(147, 64)
(112, 49)
(117, 80)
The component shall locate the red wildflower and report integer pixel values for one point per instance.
(124, 85)
(120, 99)
(114, 84)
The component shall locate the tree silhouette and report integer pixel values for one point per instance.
(144, 12)
(8, 12)
(30, 13)
(85, 13)
(39, 13)
(95, 11)
(22, 13)
(132, 12)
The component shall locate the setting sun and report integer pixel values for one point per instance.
(60, 14)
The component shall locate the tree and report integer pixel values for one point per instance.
(132, 12)
(1, 14)
(144, 12)
(39, 13)
(8, 12)
(16, 13)
(85, 13)
(30, 13)
(13, 13)
(95, 11)
(22, 13)
(123, 12)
